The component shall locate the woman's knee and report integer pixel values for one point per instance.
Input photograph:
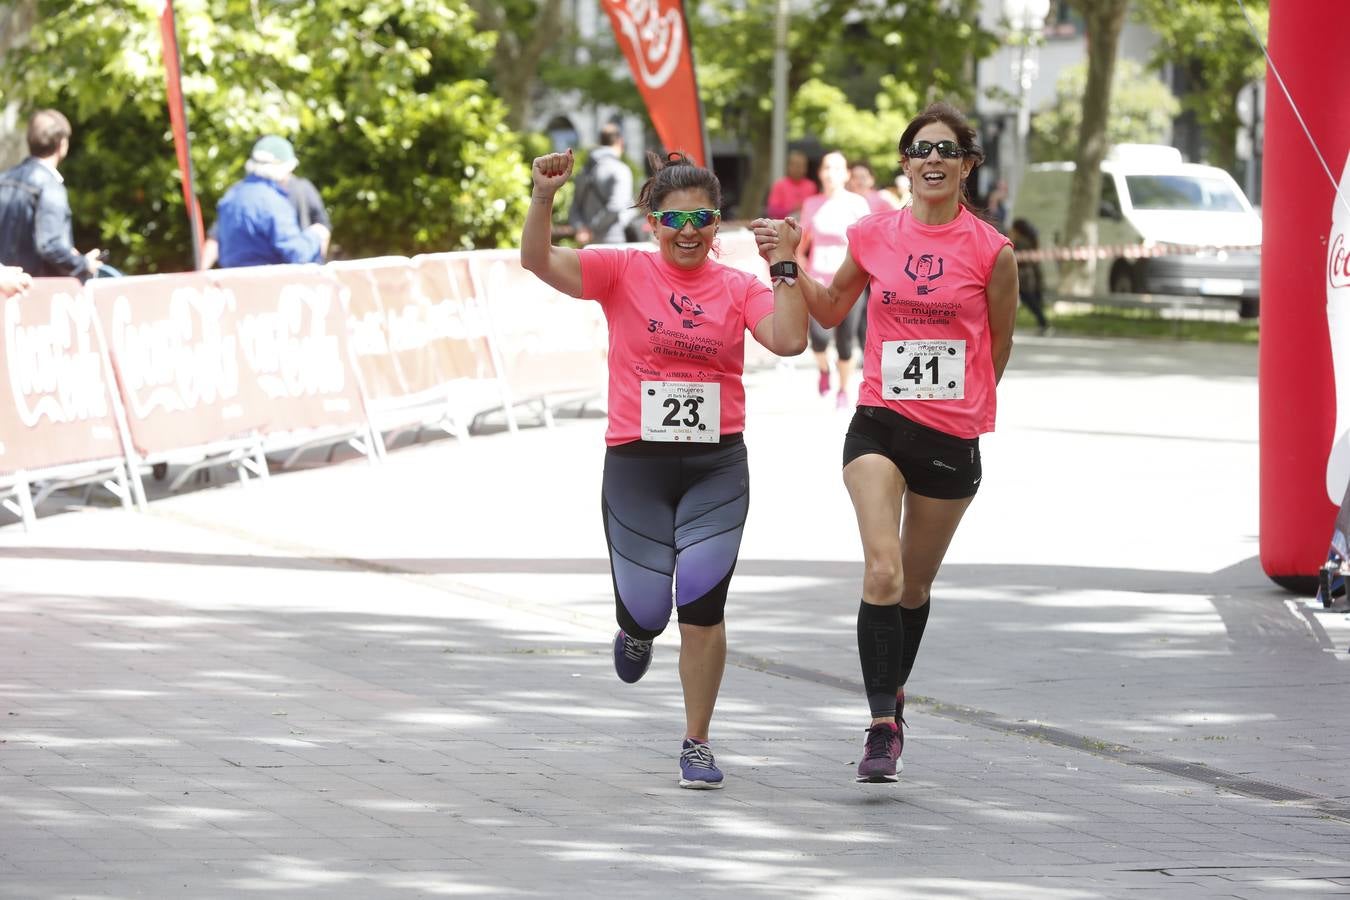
(914, 594)
(882, 577)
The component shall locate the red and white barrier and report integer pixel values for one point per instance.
(58, 413)
(1128, 251)
(228, 366)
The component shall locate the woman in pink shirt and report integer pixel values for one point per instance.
(826, 218)
(675, 488)
(943, 288)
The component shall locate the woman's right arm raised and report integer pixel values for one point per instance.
(558, 267)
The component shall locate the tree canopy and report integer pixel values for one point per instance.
(1142, 109)
(858, 72)
(385, 101)
(1212, 42)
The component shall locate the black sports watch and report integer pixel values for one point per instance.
(785, 271)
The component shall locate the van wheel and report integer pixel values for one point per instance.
(1122, 278)
(1249, 308)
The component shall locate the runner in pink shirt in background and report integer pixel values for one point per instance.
(788, 193)
(676, 483)
(862, 180)
(826, 219)
(940, 324)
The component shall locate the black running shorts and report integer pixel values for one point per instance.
(933, 463)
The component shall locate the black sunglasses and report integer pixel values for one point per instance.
(945, 149)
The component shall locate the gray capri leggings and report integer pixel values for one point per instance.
(674, 515)
(853, 327)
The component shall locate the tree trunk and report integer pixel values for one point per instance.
(1223, 141)
(515, 62)
(14, 30)
(1105, 19)
(756, 189)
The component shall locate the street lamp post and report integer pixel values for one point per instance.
(778, 153)
(1026, 21)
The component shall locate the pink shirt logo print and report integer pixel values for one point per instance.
(922, 273)
(686, 309)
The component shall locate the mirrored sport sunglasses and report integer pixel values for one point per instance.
(675, 218)
(945, 149)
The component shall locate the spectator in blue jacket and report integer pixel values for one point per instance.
(35, 230)
(256, 224)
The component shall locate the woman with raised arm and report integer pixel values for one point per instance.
(675, 489)
(940, 322)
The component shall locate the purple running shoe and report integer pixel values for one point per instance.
(632, 657)
(698, 769)
(881, 755)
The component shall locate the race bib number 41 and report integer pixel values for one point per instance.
(682, 411)
(923, 370)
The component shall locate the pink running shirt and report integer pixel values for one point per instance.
(828, 219)
(787, 195)
(928, 283)
(671, 324)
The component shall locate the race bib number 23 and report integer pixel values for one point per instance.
(682, 411)
(923, 370)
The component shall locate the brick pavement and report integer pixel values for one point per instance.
(394, 682)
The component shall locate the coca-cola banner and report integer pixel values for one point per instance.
(417, 326)
(203, 359)
(55, 401)
(173, 345)
(654, 36)
(455, 317)
(293, 345)
(367, 285)
(548, 342)
(1305, 291)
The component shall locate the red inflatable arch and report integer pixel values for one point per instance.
(1305, 289)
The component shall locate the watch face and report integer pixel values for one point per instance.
(784, 269)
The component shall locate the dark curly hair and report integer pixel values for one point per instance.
(676, 172)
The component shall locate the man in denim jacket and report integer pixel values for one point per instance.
(35, 231)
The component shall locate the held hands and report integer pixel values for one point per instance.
(551, 172)
(777, 239)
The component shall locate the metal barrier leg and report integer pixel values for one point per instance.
(27, 512)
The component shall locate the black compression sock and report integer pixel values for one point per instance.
(912, 622)
(880, 641)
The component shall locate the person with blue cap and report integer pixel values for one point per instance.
(256, 223)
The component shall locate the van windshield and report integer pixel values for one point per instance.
(1182, 192)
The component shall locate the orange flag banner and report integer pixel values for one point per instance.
(654, 36)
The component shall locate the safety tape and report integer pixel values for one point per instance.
(1132, 251)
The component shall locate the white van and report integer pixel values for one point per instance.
(1151, 198)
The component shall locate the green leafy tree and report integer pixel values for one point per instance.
(1142, 109)
(885, 59)
(527, 31)
(1212, 42)
(382, 98)
(869, 135)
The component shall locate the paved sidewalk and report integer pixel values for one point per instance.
(395, 682)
